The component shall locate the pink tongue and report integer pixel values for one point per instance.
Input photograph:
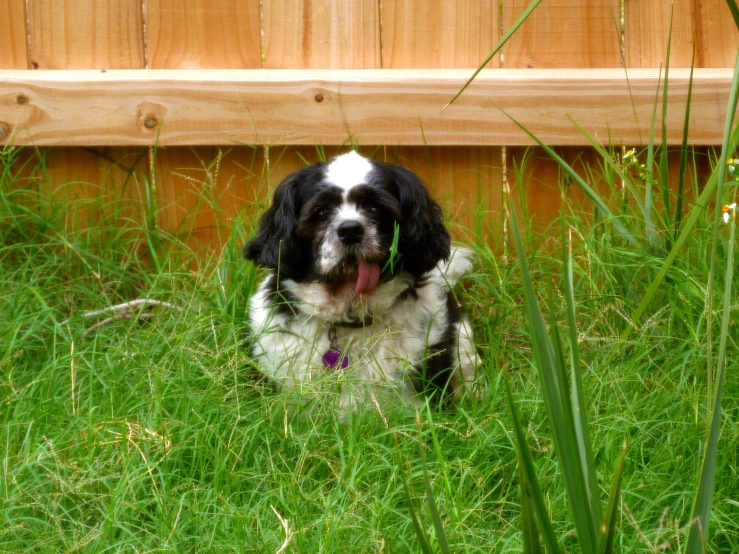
(369, 276)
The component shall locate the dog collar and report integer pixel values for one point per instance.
(333, 357)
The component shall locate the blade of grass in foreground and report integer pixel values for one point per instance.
(498, 46)
(734, 11)
(684, 153)
(594, 196)
(701, 514)
(435, 517)
(579, 407)
(649, 171)
(663, 165)
(608, 529)
(527, 467)
(559, 408)
(529, 530)
(420, 533)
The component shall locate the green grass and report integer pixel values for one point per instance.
(153, 436)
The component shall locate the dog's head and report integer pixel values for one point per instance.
(336, 223)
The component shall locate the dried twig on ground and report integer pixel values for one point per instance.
(125, 311)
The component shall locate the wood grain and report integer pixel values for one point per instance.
(539, 186)
(466, 180)
(86, 34)
(564, 34)
(375, 106)
(203, 34)
(321, 34)
(199, 190)
(104, 184)
(13, 41)
(709, 23)
(438, 34)
(202, 193)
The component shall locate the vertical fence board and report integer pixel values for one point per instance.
(321, 34)
(709, 23)
(716, 33)
(559, 34)
(13, 45)
(203, 34)
(86, 34)
(564, 34)
(419, 33)
(200, 190)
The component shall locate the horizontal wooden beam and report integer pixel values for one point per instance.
(227, 107)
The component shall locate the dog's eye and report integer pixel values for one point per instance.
(322, 212)
(373, 209)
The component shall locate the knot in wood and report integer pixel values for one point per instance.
(319, 97)
(21, 99)
(150, 122)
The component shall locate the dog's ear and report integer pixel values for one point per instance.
(274, 246)
(424, 239)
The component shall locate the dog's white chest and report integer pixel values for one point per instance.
(290, 348)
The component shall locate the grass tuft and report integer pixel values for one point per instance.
(153, 434)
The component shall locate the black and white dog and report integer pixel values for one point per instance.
(360, 282)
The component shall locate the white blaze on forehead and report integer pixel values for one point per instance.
(348, 170)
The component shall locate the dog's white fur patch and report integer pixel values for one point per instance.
(384, 353)
(348, 170)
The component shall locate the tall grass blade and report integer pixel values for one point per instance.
(649, 172)
(420, 533)
(594, 196)
(527, 467)
(509, 34)
(557, 402)
(579, 406)
(701, 514)
(608, 528)
(717, 221)
(435, 517)
(663, 165)
(684, 152)
(529, 530)
(734, 11)
(729, 144)
(442, 464)
(617, 24)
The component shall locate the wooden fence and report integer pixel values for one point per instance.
(237, 133)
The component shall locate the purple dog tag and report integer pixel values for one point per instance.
(332, 357)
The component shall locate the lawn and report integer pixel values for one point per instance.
(150, 433)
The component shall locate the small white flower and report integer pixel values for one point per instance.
(726, 210)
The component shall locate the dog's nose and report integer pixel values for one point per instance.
(350, 232)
